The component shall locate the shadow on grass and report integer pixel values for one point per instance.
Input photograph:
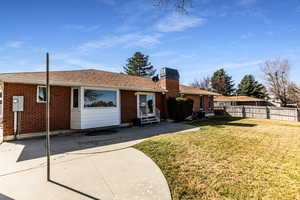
(74, 190)
(222, 121)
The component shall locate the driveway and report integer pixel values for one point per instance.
(85, 167)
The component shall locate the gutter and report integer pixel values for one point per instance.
(75, 84)
(195, 93)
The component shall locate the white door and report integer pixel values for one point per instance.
(146, 105)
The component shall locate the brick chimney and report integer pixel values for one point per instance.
(169, 80)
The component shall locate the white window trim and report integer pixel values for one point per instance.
(138, 103)
(72, 99)
(37, 94)
(101, 89)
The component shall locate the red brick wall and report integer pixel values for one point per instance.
(196, 99)
(161, 104)
(206, 104)
(196, 106)
(129, 105)
(33, 118)
(171, 85)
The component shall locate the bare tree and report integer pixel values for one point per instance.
(293, 93)
(204, 83)
(179, 5)
(276, 74)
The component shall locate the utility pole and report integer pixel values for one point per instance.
(48, 117)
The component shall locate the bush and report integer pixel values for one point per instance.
(180, 108)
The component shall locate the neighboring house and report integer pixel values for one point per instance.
(221, 101)
(85, 99)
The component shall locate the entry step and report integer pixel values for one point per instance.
(149, 120)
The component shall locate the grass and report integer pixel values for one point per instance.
(230, 158)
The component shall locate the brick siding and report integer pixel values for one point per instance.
(129, 105)
(33, 118)
(196, 99)
(171, 85)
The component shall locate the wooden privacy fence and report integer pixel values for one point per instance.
(263, 112)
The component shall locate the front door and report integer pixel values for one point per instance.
(146, 105)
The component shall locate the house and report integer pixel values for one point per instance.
(85, 99)
(221, 101)
(1, 105)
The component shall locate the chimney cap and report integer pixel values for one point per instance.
(169, 73)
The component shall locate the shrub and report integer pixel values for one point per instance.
(180, 108)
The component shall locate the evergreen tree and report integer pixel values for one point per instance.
(138, 65)
(222, 83)
(250, 87)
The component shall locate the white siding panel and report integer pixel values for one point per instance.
(75, 112)
(84, 118)
(100, 117)
(75, 120)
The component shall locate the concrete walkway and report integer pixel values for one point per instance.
(85, 167)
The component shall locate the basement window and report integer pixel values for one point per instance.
(41, 94)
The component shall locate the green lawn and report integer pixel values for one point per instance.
(230, 159)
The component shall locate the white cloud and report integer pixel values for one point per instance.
(176, 22)
(247, 36)
(242, 65)
(107, 2)
(163, 53)
(82, 28)
(14, 44)
(69, 61)
(127, 40)
(247, 2)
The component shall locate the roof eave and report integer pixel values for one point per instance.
(200, 93)
(75, 84)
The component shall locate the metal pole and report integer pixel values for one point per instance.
(48, 117)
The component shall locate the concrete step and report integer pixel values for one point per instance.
(149, 120)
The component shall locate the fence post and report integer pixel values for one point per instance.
(268, 112)
(243, 112)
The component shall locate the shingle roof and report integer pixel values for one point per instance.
(190, 90)
(92, 77)
(236, 98)
(88, 77)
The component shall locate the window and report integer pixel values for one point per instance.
(100, 98)
(146, 104)
(41, 94)
(201, 102)
(75, 97)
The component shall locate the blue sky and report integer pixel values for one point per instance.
(238, 35)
